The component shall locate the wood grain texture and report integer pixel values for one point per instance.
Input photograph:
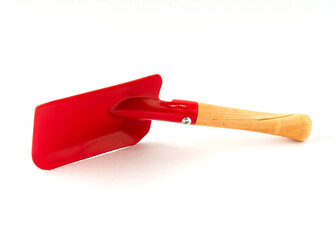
(294, 126)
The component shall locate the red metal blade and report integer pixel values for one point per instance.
(78, 127)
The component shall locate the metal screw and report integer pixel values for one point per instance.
(186, 120)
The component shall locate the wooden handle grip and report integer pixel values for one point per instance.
(294, 126)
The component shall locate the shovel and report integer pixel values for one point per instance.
(81, 126)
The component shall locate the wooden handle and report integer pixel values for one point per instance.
(294, 126)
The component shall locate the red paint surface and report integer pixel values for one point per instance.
(85, 125)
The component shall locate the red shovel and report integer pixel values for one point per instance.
(88, 124)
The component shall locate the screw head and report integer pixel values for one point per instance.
(186, 120)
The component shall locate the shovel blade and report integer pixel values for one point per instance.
(79, 127)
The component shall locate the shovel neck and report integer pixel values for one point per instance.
(154, 109)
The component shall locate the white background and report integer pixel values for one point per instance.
(179, 182)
